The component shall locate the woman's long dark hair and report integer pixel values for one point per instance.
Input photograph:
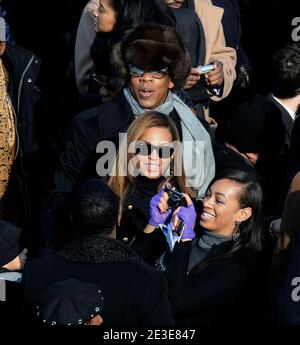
(249, 243)
(137, 12)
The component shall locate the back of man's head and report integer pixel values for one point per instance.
(286, 72)
(95, 209)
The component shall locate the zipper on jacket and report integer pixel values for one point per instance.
(24, 191)
(21, 80)
(18, 104)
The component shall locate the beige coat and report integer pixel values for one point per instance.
(216, 49)
(85, 37)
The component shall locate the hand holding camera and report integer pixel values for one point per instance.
(215, 77)
(168, 202)
(159, 211)
(184, 214)
(188, 216)
(163, 204)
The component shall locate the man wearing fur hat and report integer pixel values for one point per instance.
(149, 65)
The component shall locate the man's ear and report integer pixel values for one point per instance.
(2, 47)
(244, 214)
(171, 84)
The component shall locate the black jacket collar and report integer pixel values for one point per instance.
(17, 61)
(95, 250)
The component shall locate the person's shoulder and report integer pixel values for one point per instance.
(143, 270)
(119, 114)
(116, 103)
(206, 7)
(91, 5)
(231, 265)
(42, 262)
(87, 115)
(184, 13)
(20, 58)
(17, 50)
(85, 124)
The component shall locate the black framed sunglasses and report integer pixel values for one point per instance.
(145, 149)
(139, 72)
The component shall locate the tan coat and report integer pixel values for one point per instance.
(216, 49)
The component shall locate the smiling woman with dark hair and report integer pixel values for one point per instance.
(209, 276)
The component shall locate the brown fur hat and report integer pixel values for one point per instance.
(152, 46)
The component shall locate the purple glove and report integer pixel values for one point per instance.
(156, 217)
(188, 215)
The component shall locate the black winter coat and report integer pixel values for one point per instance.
(225, 292)
(212, 296)
(134, 293)
(23, 68)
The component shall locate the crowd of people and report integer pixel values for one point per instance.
(149, 190)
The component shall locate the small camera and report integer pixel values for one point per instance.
(176, 199)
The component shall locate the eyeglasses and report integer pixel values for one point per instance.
(145, 149)
(157, 74)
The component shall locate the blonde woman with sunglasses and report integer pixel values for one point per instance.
(149, 159)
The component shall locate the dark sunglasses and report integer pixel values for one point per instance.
(139, 72)
(145, 149)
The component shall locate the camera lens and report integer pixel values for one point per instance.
(170, 202)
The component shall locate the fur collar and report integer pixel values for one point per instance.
(97, 250)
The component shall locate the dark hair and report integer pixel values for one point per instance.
(286, 72)
(117, 6)
(95, 209)
(137, 12)
(249, 243)
(256, 126)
